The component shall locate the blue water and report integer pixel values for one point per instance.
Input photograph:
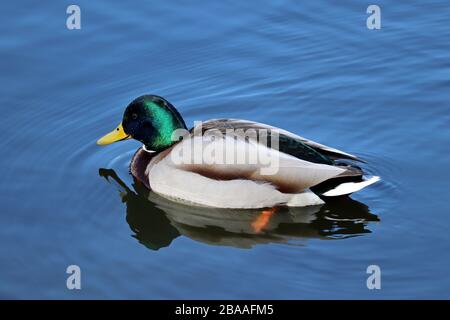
(311, 67)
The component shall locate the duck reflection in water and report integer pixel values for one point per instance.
(156, 221)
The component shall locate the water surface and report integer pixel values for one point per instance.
(312, 68)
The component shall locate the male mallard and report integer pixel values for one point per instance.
(176, 169)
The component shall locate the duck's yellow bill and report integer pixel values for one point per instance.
(117, 134)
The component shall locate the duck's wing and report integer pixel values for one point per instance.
(289, 142)
(232, 158)
(235, 172)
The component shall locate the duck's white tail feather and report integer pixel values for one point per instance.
(350, 187)
(306, 198)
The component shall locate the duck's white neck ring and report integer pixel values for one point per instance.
(146, 150)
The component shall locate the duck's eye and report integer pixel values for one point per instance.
(134, 116)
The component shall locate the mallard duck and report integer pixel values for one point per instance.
(188, 165)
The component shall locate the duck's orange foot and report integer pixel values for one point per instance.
(262, 220)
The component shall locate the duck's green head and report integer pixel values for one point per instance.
(149, 119)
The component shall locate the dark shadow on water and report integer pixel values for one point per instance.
(156, 221)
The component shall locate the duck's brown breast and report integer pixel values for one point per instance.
(139, 164)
